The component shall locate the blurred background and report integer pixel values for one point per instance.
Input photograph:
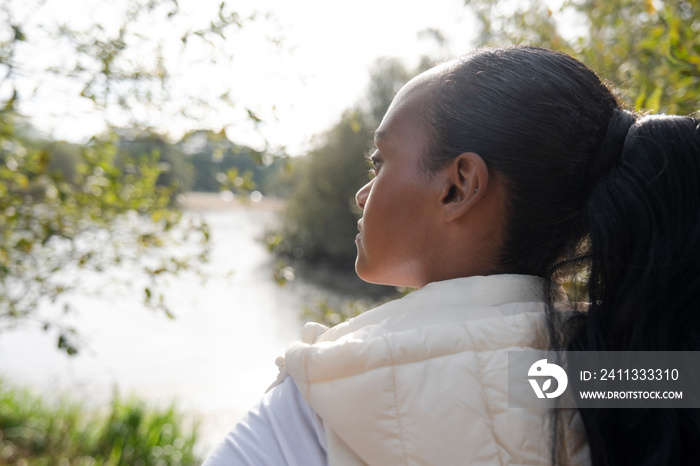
(177, 183)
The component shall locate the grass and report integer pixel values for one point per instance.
(34, 432)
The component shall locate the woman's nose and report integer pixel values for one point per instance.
(361, 195)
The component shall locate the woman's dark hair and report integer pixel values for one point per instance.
(594, 188)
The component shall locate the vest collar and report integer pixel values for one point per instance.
(477, 291)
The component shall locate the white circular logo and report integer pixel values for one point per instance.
(543, 369)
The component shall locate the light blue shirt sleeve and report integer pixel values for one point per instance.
(282, 429)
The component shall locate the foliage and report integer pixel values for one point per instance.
(36, 433)
(123, 60)
(69, 208)
(53, 225)
(650, 49)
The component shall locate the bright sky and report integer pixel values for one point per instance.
(299, 87)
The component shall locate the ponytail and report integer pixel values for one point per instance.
(643, 219)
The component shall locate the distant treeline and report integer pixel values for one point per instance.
(201, 160)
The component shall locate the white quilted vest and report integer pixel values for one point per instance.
(423, 380)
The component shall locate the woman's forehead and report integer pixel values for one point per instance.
(408, 108)
(427, 79)
(421, 89)
(408, 115)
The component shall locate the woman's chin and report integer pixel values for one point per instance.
(359, 268)
(363, 271)
(369, 275)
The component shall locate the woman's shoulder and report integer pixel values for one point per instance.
(423, 388)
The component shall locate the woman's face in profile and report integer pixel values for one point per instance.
(395, 241)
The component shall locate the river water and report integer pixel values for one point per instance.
(214, 360)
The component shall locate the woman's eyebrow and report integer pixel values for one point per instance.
(379, 136)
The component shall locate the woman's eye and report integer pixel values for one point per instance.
(374, 162)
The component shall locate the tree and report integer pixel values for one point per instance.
(66, 208)
(649, 49)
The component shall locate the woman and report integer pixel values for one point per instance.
(497, 174)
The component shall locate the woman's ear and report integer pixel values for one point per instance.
(466, 180)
